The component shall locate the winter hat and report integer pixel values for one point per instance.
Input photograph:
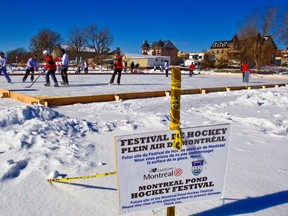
(118, 51)
(45, 52)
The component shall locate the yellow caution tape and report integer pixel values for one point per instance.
(177, 144)
(80, 177)
(175, 84)
(175, 112)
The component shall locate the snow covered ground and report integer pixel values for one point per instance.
(76, 140)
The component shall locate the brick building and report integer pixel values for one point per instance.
(161, 48)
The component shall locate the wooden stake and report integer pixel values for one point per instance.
(175, 113)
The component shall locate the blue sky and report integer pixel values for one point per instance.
(191, 25)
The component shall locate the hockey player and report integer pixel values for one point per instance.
(3, 67)
(50, 67)
(31, 66)
(118, 66)
(64, 67)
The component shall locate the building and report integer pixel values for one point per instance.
(196, 57)
(225, 52)
(232, 52)
(284, 57)
(146, 61)
(161, 48)
(281, 57)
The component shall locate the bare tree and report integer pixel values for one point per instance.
(259, 33)
(18, 56)
(100, 40)
(77, 40)
(45, 40)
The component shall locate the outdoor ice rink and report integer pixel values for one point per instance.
(97, 84)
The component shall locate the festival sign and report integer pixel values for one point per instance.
(152, 174)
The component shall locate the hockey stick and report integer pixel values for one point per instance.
(41, 74)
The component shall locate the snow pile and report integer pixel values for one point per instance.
(41, 137)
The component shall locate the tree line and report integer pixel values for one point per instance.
(97, 39)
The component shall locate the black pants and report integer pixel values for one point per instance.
(64, 75)
(116, 70)
(53, 76)
(28, 70)
(191, 73)
(166, 72)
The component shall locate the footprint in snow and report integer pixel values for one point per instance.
(14, 169)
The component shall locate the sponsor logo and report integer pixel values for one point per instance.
(197, 167)
(156, 173)
(178, 172)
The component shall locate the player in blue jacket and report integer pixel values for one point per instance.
(31, 66)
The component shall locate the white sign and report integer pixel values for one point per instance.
(152, 174)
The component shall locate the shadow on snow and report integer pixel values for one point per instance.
(248, 205)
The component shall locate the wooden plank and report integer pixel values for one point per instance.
(4, 93)
(216, 89)
(255, 86)
(23, 98)
(268, 86)
(281, 84)
(137, 95)
(59, 101)
(190, 91)
(235, 88)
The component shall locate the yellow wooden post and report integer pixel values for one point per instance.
(175, 116)
(175, 107)
(175, 98)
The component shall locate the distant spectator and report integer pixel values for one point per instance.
(85, 66)
(166, 67)
(137, 67)
(125, 66)
(132, 66)
(100, 66)
(31, 66)
(79, 68)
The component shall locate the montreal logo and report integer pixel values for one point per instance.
(154, 175)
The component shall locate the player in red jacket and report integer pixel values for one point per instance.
(118, 66)
(50, 67)
(191, 69)
(245, 72)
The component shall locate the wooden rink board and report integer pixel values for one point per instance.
(51, 101)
